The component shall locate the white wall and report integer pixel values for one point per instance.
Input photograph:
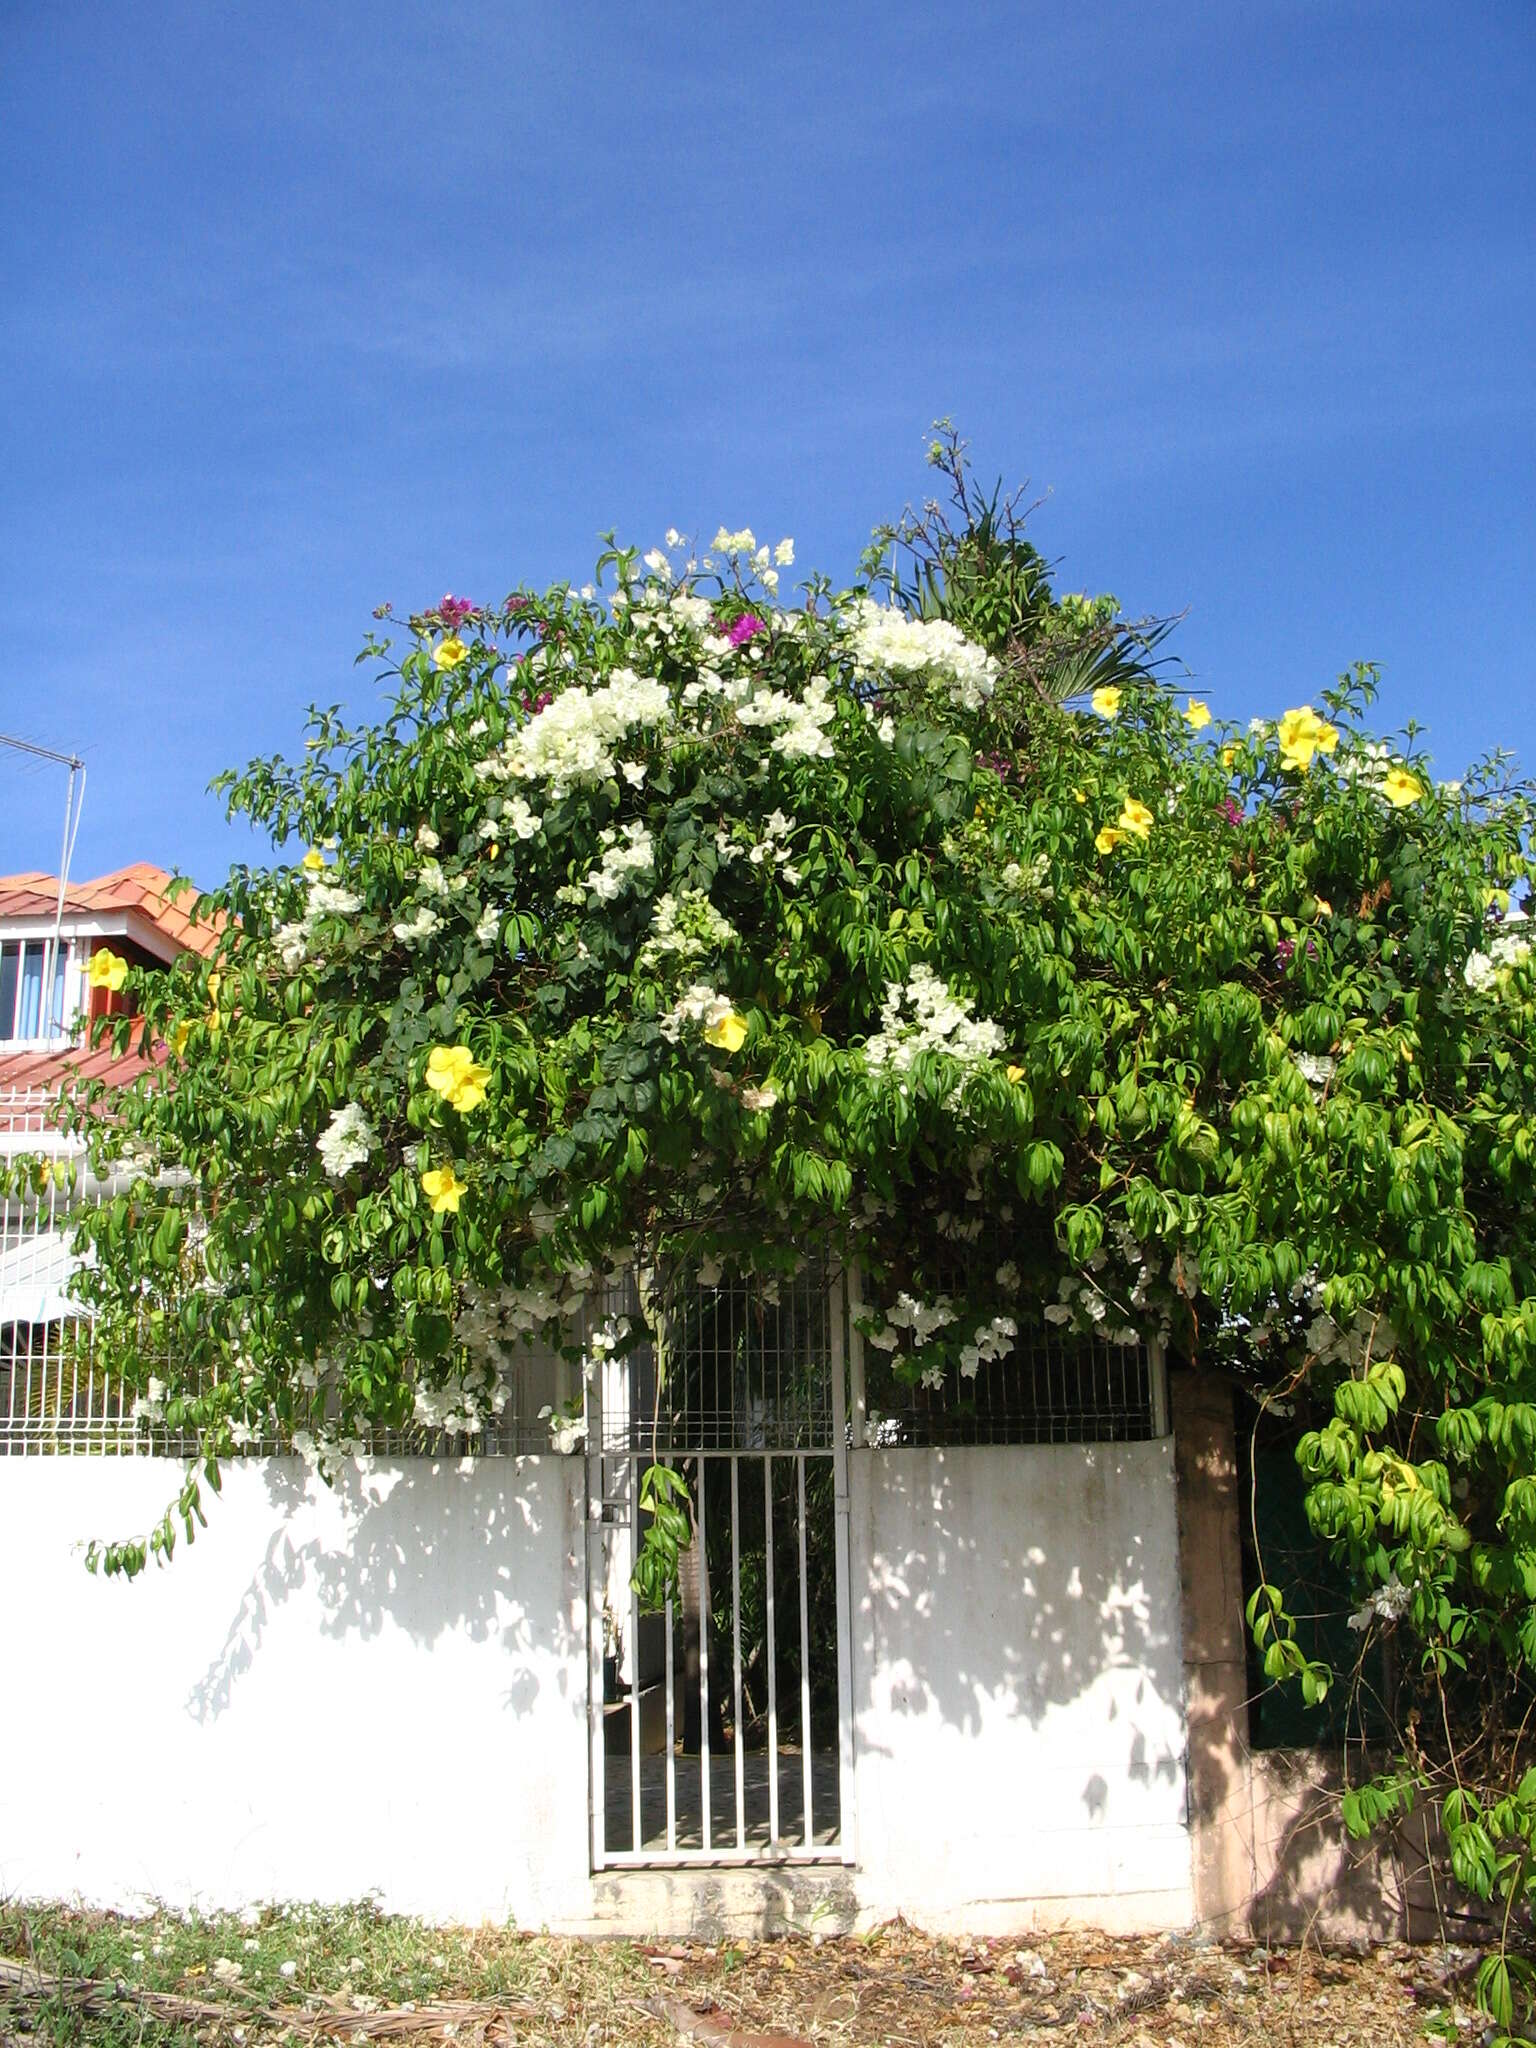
(1018, 1716)
(382, 1690)
(376, 1690)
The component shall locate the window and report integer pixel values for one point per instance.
(25, 966)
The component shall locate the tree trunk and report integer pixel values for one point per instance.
(693, 1599)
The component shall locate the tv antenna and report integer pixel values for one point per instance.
(74, 803)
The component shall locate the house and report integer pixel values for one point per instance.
(47, 1004)
(46, 943)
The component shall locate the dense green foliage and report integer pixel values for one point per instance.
(666, 924)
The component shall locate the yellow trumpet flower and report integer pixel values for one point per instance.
(1401, 787)
(1302, 734)
(728, 1033)
(444, 1189)
(109, 970)
(454, 1073)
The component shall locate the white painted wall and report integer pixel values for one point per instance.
(377, 1690)
(1018, 1692)
(382, 1690)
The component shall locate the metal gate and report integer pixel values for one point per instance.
(721, 1728)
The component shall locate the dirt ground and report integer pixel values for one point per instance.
(897, 1987)
(354, 1977)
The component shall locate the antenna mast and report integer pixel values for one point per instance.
(74, 804)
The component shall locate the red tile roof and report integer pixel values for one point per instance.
(140, 888)
(44, 1070)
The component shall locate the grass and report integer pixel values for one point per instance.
(355, 1976)
(318, 1964)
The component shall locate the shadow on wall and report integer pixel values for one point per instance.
(1006, 1583)
(421, 1546)
(1271, 1853)
(1315, 1882)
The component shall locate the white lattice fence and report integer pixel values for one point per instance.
(54, 1393)
(57, 1392)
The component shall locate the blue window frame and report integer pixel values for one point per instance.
(22, 965)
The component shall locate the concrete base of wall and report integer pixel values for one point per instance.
(1311, 1881)
(726, 1905)
(745, 1905)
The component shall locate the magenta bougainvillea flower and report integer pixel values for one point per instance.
(745, 628)
(454, 611)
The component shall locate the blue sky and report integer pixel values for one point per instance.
(314, 307)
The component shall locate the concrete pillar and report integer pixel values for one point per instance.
(1215, 1667)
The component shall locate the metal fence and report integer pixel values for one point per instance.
(57, 1396)
(749, 1369)
(54, 1394)
(1053, 1387)
(759, 1364)
(721, 1727)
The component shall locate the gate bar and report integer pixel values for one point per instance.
(805, 1666)
(1157, 1385)
(632, 1467)
(858, 1400)
(773, 1658)
(741, 1754)
(671, 1742)
(596, 1561)
(837, 1309)
(704, 1615)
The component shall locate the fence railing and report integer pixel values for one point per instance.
(54, 1394)
(58, 1395)
(759, 1359)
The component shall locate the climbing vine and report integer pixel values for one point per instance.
(674, 921)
